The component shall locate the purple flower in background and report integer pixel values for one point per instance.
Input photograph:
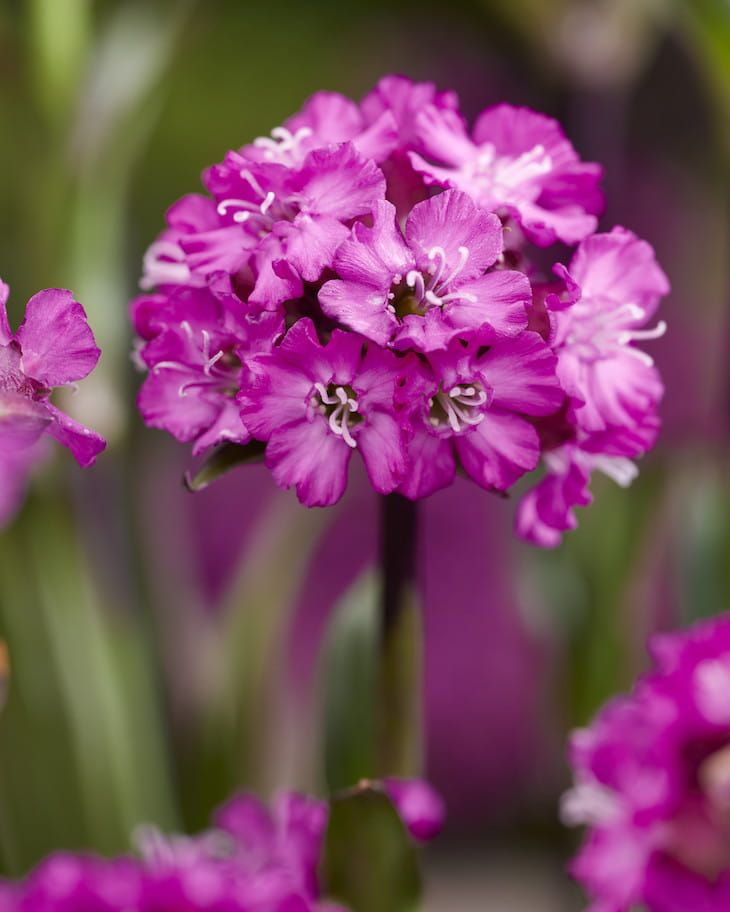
(517, 163)
(314, 404)
(652, 782)
(422, 289)
(254, 859)
(53, 347)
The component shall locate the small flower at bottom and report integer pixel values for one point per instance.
(315, 404)
(652, 782)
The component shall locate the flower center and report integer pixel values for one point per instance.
(219, 371)
(600, 331)
(417, 293)
(458, 409)
(339, 405)
(261, 212)
(283, 145)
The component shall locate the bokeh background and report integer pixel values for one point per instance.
(163, 648)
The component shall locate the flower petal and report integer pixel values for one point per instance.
(84, 443)
(499, 450)
(57, 342)
(452, 222)
(307, 455)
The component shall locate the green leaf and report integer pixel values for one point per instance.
(369, 860)
(222, 460)
(349, 683)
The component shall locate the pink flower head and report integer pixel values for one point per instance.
(197, 345)
(652, 782)
(346, 286)
(424, 287)
(315, 404)
(53, 347)
(616, 284)
(517, 163)
(470, 406)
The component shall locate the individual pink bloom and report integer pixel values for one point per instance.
(315, 404)
(517, 163)
(547, 510)
(471, 408)
(54, 346)
(652, 782)
(419, 805)
(197, 344)
(308, 208)
(616, 285)
(422, 288)
(326, 118)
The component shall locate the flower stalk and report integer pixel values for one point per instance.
(399, 710)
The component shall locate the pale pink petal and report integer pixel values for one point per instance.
(442, 134)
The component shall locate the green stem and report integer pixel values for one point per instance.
(399, 711)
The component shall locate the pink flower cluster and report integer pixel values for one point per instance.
(254, 858)
(364, 280)
(652, 782)
(53, 347)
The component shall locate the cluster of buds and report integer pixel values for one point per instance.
(365, 280)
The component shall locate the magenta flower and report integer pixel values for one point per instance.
(53, 347)
(652, 783)
(616, 285)
(422, 289)
(471, 408)
(196, 346)
(315, 404)
(517, 163)
(400, 245)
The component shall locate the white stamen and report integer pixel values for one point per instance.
(631, 335)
